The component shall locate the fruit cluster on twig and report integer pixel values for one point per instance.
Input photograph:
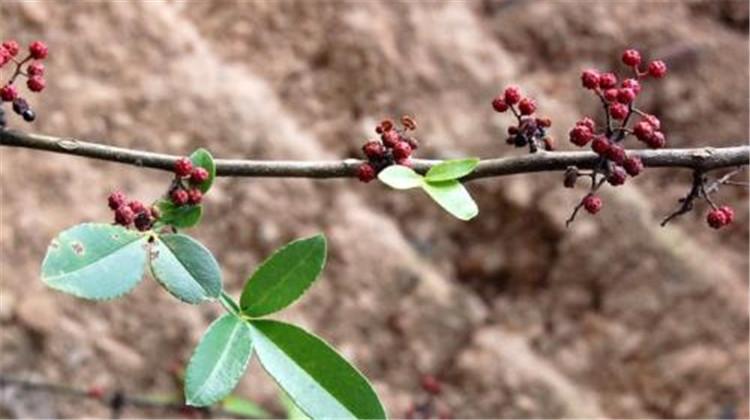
(395, 146)
(33, 72)
(529, 130)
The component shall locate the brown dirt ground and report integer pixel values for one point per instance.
(519, 316)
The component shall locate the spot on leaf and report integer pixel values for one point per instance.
(77, 248)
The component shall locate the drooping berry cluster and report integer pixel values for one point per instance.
(529, 131)
(720, 216)
(618, 101)
(132, 213)
(184, 190)
(34, 74)
(394, 147)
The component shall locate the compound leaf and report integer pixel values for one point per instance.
(185, 268)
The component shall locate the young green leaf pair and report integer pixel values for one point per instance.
(441, 183)
(321, 382)
(188, 215)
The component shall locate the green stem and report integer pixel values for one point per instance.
(229, 304)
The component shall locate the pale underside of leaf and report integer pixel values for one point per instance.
(190, 281)
(453, 197)
(400, 177)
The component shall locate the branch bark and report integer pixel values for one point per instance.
(704, 159)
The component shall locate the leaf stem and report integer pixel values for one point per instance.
(229, 304)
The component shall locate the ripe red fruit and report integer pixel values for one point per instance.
(38, 50)
(124, 215)
(35, 69)
(643, 130)
(728, 213)
(401, 150)
(8, 93)
(618, 111)
(600, 145)
(657, 69)
(632, 84)
(527, 106)
(404, 162)
(199, 175)
(617, 176)
(179, 197)
(195, 196)
(431, 384)
(512, 95)
(611, 94)
(631, 58)
(607, 80)
(36, 83)
(499, 104)
(590, 79)
(365, 172)
(116, 199)
(625, 95)
(136, 206)
(653, 121)
(373, 149)
(580, 135)
(592, 203)
(657, 140)
(390, 138)
(183, 167)
(616, 153)
(716, 218)
(12, 47)
(633, 165)
(143, 220)
(587, 122)
(4, 56)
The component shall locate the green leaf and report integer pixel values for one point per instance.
(95, 261)
(453, 197)
(321, 382)
(185, 268)
(400, 177)
(451, 169)
(180, 217)
(243, 407)
(203, 158)
(292, 411)
(284, 276)
(219, 361)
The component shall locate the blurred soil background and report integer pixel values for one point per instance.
(517, 315)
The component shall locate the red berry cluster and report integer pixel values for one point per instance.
(131, 212)
(618, 100)
(719, 217)
(34, 74)
(530, 131)
(185, 189)
(394, 147)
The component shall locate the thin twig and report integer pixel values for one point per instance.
(703, 158)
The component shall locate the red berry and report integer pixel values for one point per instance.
(12, 47)
(512, 95)
(611, 94)
(136, 206)
(404, 162)
(183, 167)
(4, 56)
(545, 122)
(413, 142)
(587, 122)
(36, 83)
(431, 384)
(592, 203)
(580, 135)
(179, 197)
(124, 215)
(617, 176)
(374, 149)
(199, 175)
(116, 199)
(616, 153)
(653, 121)
(390, 138)
(607, 80)
(657, 69)
(618, 111)
(728, 213)
(143, 220)
(195, 196)
(633, 165)
(527, 106)
(643, 130)
(590, 79)
(35, 69)
(38, 50)
(600, 145)
(499, 104)
(632, 84)
(625, 95)
(95, 392)
(631, 58)
(8, 93)
(365, 172)
(401, 150)
(657, 140)
(716, 218)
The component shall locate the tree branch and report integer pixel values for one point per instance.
(703, 159)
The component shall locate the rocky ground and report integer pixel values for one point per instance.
(519, 316)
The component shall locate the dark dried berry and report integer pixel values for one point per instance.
(20, 105)
(571, 176)
(143, 220)
(28, 115)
